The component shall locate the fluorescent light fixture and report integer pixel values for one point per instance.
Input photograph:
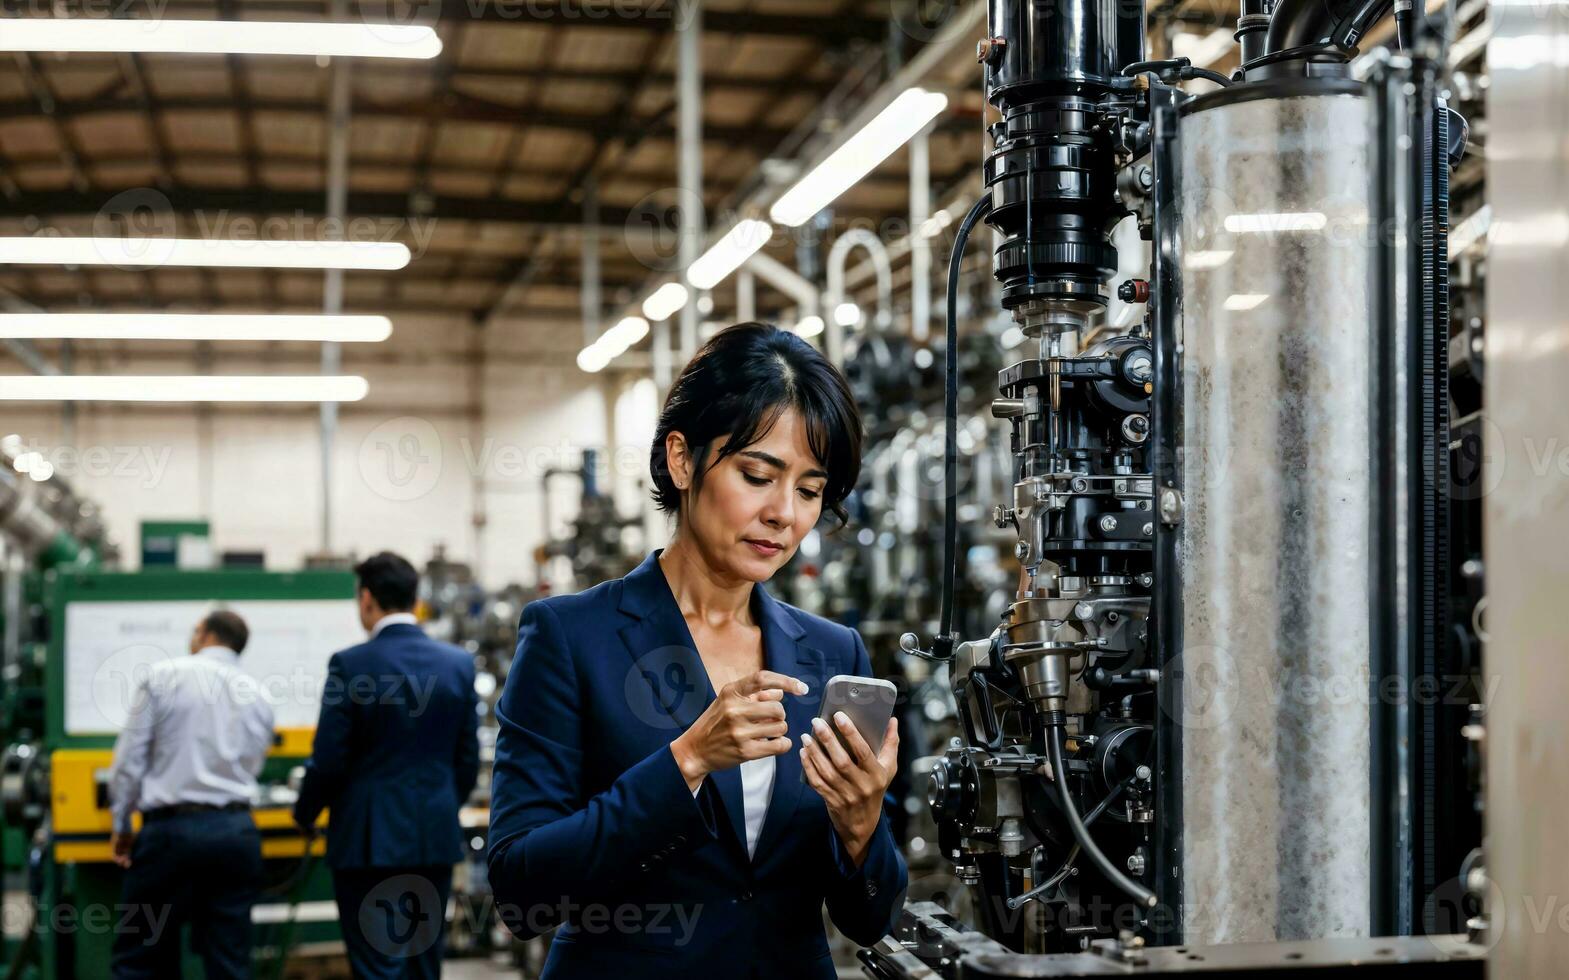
(593, 358)
(1239, 302)
(193, 326)
(859, 155)
(809, 326)
(624, 334)
(24, 462)
(726, 255)
(159, 36)
(52, 250)
(41, 471)
(1248, 224)
(665, 302)
(847, 314)
(182, 388)
(1207, 260)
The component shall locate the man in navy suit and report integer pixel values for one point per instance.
(396, 755)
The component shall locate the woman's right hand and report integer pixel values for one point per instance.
(745, 721)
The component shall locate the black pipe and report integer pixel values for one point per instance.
(1321, 23)
(942, 645)
(1081, 833)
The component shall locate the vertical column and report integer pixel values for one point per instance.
(689, 107)
(920, 245)
(1526, 479)
(332, 284)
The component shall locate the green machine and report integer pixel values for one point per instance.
(103, 630)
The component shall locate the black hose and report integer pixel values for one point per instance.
(1081, 833)
(1207, 75)
(942, 645)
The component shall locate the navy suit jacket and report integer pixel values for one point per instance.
(396, 752)
(592, 825)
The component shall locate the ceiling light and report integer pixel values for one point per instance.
(859, 155)
(41, 470)
(193, 326)
(160, 36)
(665, 302)
(847, 314)
(593, 358)
(726, 255)
(52, 250)
(809, 326)
(623, 335)
(183, 388)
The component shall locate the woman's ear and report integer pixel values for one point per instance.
(678, 459)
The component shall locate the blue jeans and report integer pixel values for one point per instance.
(198, 869)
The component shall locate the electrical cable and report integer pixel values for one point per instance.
(942, 645)
(1081, 833)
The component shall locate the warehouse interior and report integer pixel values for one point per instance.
(1210, 357)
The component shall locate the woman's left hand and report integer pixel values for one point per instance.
(852, 783)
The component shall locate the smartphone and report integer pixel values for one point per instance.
(868, 701)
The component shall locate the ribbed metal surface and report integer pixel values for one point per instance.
(1275, 536)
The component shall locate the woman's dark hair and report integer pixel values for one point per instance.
(737, 385)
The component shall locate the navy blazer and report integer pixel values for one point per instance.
(592, 825)
(396, 752)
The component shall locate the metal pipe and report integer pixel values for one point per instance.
(745, 295)
(332, 283)
(920, 245)
(591, 277)
(689, 124)
(836, 263)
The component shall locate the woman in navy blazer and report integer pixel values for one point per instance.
(658, 791)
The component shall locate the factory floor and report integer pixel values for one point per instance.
(475, 969)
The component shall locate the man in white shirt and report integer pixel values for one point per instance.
(196, 737)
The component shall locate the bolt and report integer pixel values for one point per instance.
(1142, 773)
(1148, 529)
(1136, 863)
(1002, 516)
(1108, 523)
(1021, 550)
(1080, 485)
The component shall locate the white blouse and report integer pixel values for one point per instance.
(757, 788)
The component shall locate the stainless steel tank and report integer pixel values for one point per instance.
(1274, 539)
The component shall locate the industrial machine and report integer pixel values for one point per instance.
(602, 543)
(101, 629)
(1196, 742)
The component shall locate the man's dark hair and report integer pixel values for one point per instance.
(390, 580)
(228, 629)
(737, 385)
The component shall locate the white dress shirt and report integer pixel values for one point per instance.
(198, 732)
(757, 789)
(393, 619)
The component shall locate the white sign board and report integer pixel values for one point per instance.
(109, 645)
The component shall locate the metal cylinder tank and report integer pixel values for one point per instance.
(1274, 534)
